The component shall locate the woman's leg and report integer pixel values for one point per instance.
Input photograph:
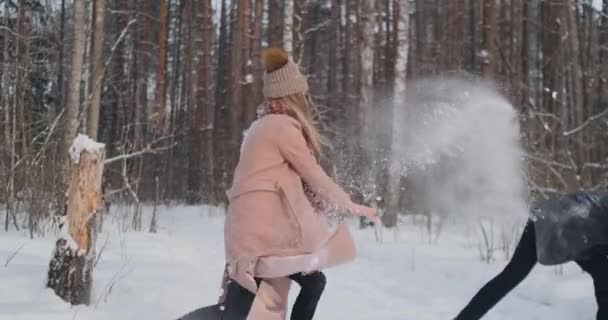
(524, 259)
(597, 267)
(312, 286)
(270, 302)
(237, 302)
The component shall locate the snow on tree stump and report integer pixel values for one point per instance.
(72, 262)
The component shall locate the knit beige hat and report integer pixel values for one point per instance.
(282, 77)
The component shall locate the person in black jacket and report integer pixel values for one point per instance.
(568, 227)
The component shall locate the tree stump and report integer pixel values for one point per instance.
(72, 262)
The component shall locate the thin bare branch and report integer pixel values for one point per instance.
(586, 123)
(550, 163)
(147, 150)
(12, 256)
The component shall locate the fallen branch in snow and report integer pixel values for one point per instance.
(10, 258)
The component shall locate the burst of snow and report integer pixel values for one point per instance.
(83, 143)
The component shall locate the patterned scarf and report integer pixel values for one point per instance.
(273, 106)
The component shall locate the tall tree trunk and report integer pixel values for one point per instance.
(161, 72)
(201, 156)
(390, 218)
(221, 140)
(73, 98)
(334, 45)
(9, 128)
(490, 51)
(160, 128)
(189, 66)
(207, 85)
(553, 19)
(60, 84)
(275, 33)
(421, 41)
(576, 78)
(239, 56)
(366, 59)
(603, 82)
(98, 68)
(525, 83)
(20, 71)
(288, 26)
(300, 23)
(455, 54)
(256, 57)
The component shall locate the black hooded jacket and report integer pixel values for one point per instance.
(570, 226)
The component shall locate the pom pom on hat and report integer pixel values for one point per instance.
(274, 59)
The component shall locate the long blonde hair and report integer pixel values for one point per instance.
(297, 103)
(299, 109)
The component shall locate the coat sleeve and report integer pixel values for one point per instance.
(294, 149)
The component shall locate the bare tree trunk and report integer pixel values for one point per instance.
(239, 55)
(71, 268)
(603, 82)
(390, 218)
(421, 41)
(366, 58)
(288, 26)
(300, 23)
(209, 103)
(256, 61)
(189, 66)
(60, 68)
(275, 34)
(490, 51)
(19, 128)
(153, 223)
(576, 78)
(73, 99)
(221, 134)
(455, 40)
(98, 68)
(9, 129)
(334, 47)
(161, 72)
(160, 126)
(201, 156)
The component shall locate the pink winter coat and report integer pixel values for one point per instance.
(271, 228)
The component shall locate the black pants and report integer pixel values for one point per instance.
(238, 300)
(524, 259)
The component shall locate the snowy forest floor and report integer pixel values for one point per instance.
(165, 275)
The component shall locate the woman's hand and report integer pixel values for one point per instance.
(364, 211)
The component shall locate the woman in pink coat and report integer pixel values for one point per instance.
(272, 231)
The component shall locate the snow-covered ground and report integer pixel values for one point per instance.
(165, 275)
